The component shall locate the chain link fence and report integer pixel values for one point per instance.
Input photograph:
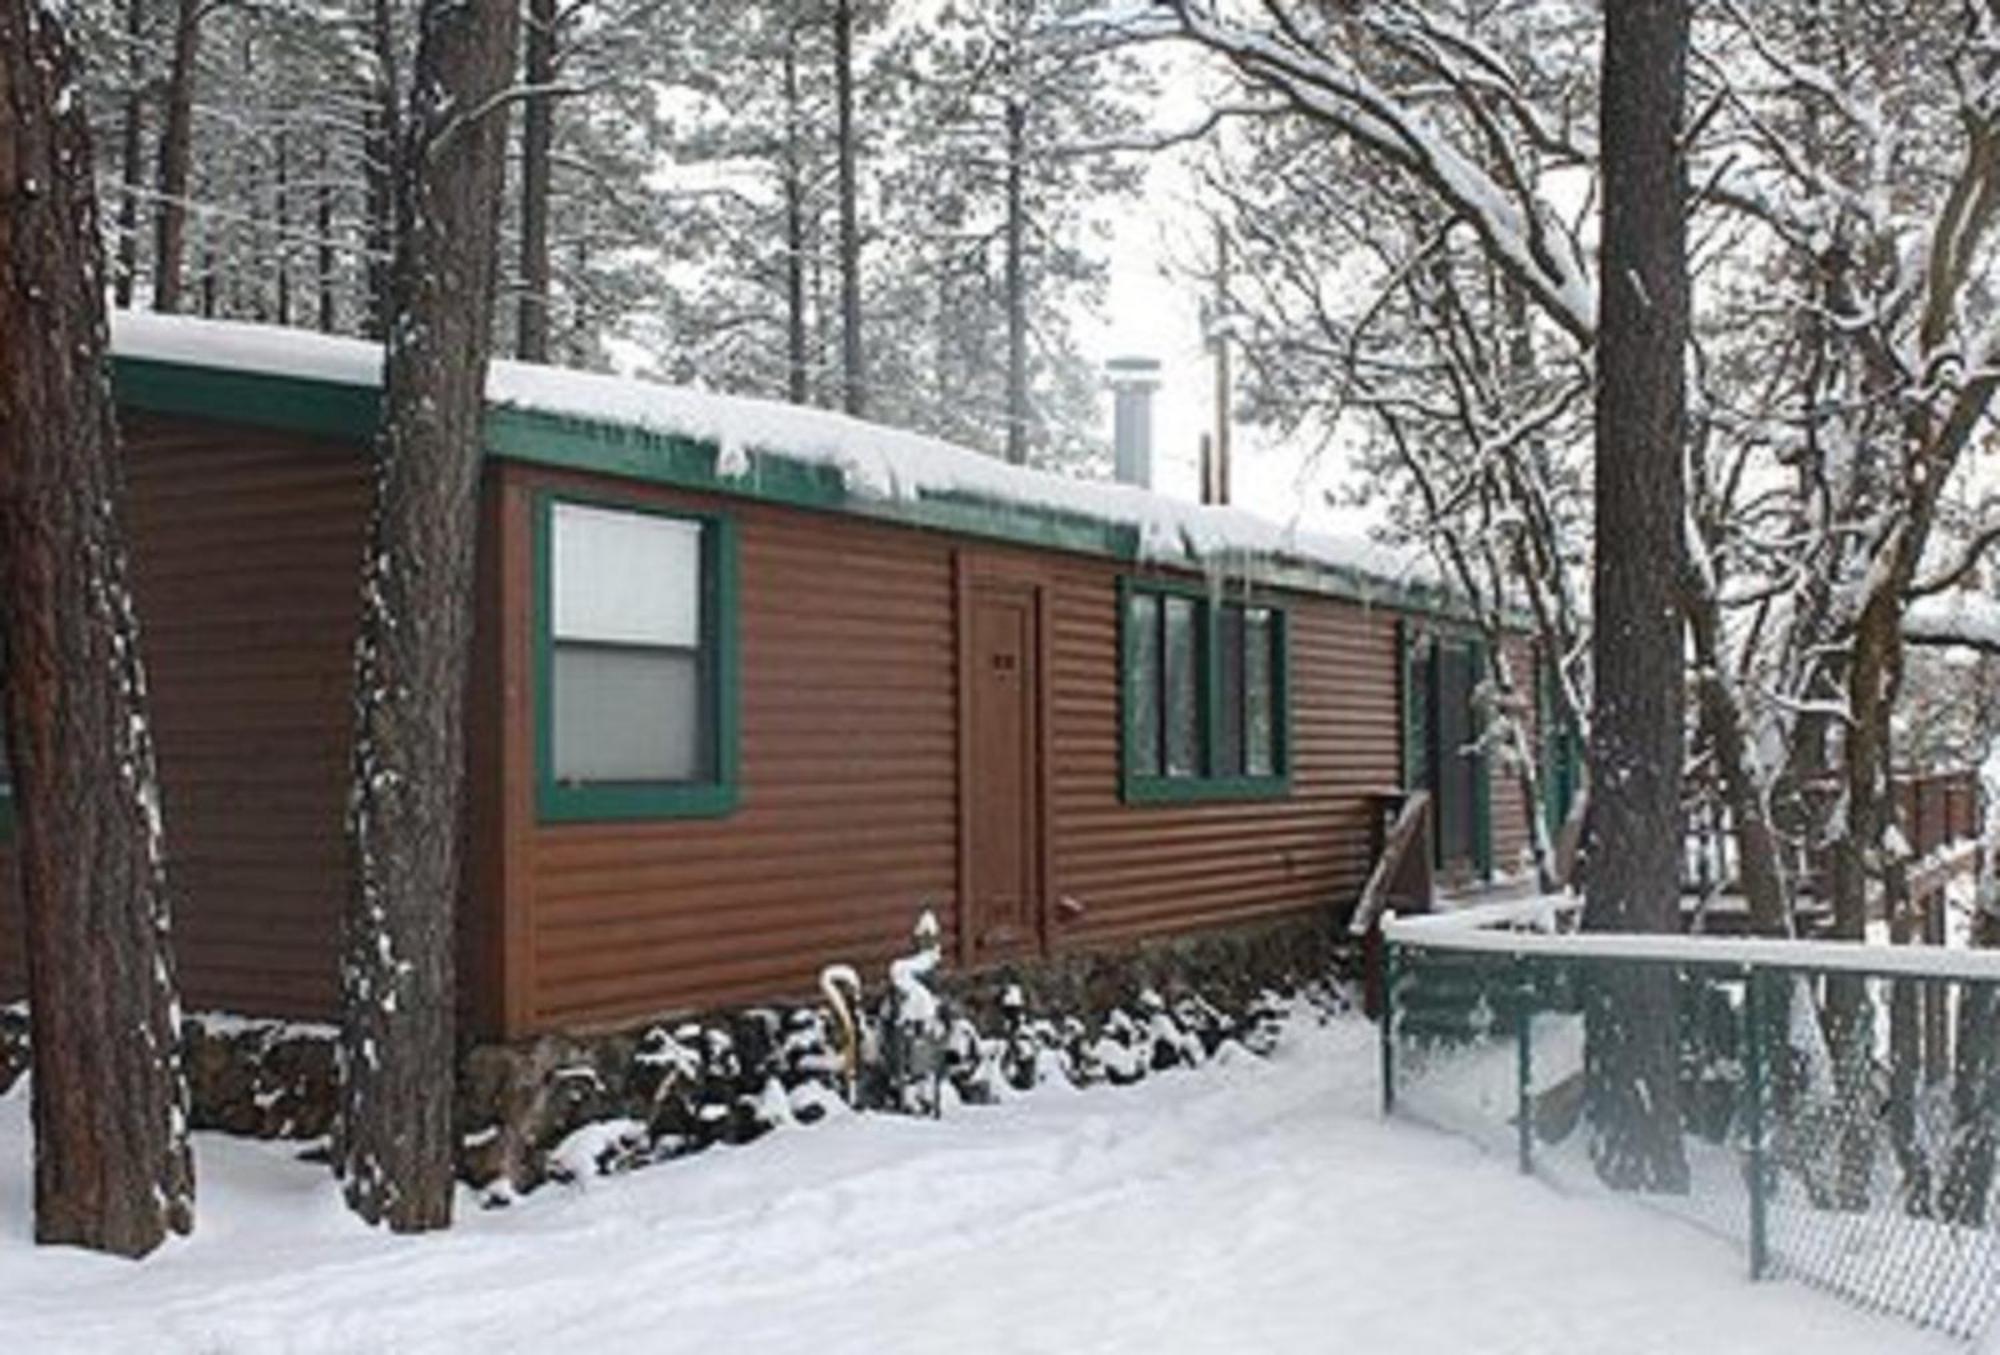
(1839, 1105)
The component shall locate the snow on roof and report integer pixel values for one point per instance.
(1960, 617)
(875, 462)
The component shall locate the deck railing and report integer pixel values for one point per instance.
(1934, 809)
(1816, 1132)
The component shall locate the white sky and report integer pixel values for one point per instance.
(1150, 313)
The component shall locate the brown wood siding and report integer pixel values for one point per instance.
(847, 820)
(245, 549)
(245, 546)
(848, 816)
(1145, 869)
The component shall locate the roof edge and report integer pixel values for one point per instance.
(349, 412)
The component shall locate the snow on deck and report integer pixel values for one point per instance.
(874, 461)
(1253, 1207)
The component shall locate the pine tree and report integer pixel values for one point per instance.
(998, 171)
(1634, 831)
(176, 156)
(531, 326)
(112, 1167)
(395, 1149)
(847, 136)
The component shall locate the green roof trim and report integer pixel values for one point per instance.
(686, 463)
(334, 409)
(291, 403)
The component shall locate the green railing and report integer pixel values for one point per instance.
(1839, 1105)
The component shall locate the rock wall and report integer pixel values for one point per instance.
(13, 1044)
(563, 1106)
(559, 1107)
(261, 1079)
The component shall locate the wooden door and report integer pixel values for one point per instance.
(1000, 772)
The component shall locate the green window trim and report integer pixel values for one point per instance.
(556, 802)
(1482, 777)
(1416, 642)
(1206, 785)
(1559, 748)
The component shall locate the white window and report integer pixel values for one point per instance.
(629, 663)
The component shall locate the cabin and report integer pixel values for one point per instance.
(753, 685)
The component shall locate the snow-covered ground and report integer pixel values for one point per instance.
(1251, 1207)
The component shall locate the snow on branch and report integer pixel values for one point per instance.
(1322, 80)
(1964, 618)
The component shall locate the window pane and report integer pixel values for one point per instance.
(1142, 657)
(1455, 753)
(1230, 666)
(625, 578)
(1183, 689)
(1260, 671)
(621, 714)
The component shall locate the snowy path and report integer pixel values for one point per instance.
(1259, 1207)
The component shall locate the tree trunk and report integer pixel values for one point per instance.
(853, 364)
(379, 139)
(176, 156)
(323, 230)
(394, 1150)
(283, 170)
(1760, 866)
(131, 155)
(1634, 834)
(1866, 855)
(796, 388)
(112, 1168)
(1017, 282)
(1975, 1092)
(537, 145)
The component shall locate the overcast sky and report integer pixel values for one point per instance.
(1149, 312)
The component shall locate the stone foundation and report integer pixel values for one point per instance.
(562, 1106)
(13, 1045)
(259, 1078)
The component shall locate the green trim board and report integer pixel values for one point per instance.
(1413, 706)
(1418, 693)
(687, 463)
(556, 802)
(1558, 749)
(1482, 765)
(291, 403)
(1139, 786)
(327, 408)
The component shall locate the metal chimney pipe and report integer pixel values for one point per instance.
(1133, 381)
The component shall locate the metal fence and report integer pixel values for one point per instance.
(1839, 1105)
